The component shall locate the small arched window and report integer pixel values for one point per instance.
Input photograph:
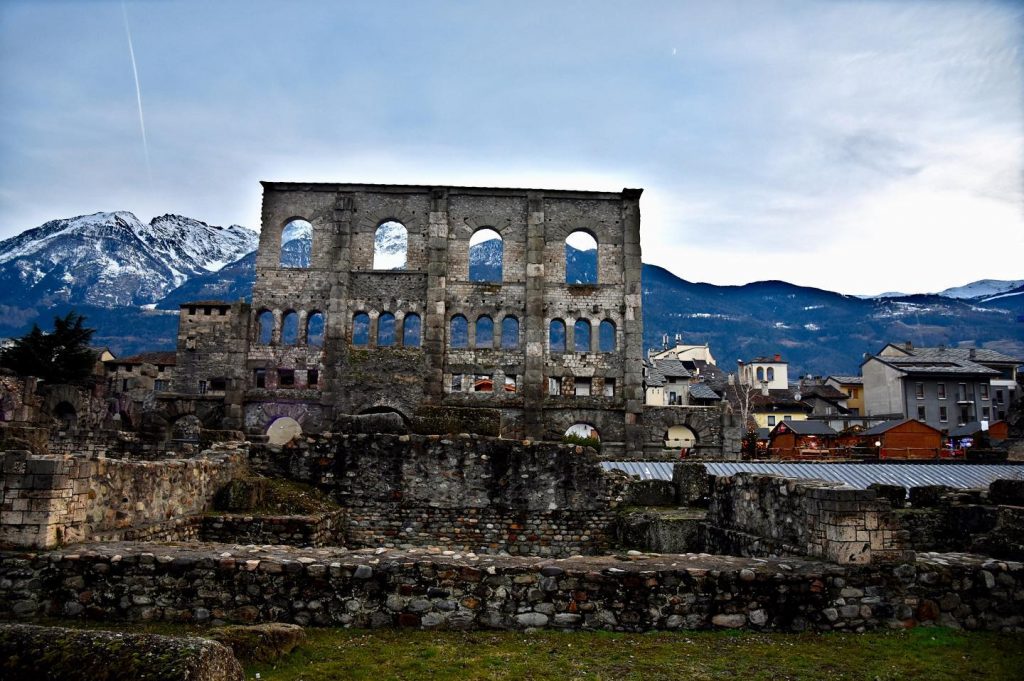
(296, 244)
(315, 330)
(412, 327)
(581, 335)
(771, 373)
(486, 255)
(580, 258)
(390, 246)
(385, 330)
(484, 332)
(360, 329)
(509, 333)
(459, 332)
(606, 336)
(760, 373)
(290, 328)
(556, 335)
(265, 324)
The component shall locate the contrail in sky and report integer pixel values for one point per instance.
(138, 91)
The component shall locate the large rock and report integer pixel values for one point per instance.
(260, 642)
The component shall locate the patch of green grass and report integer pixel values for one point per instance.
(925, 653)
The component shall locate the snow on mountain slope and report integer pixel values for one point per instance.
(111, 259)
(984, 288)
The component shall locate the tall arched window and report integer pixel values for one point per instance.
(760, 374)
(390, 246)
(580, 258)
(290, 328)
(296, 244)
(556, 335)
(606, 336)
(459, 332)
(315, 330)
(484, 332)
(581, 335)
(412, 327)
(360, 329)
(486, 255)
(771, 373)
(385, 329)
(509, 333)
(265, 323)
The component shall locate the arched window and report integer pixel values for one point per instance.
(771, 373)
(296, 244)
(390, 246)
(760, 374)
(265, 325)
(581, 335)
(509, 333)
(606, 336)
(290, 328)
(486, 254)
(412, 327)
(580, 258)
(360, 329)
(385, 329)
(315, 330)
(459, 334)
(484, 332)
(582, 431)
(556, 336)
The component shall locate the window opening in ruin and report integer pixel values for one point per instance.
(606, 336)
(186, 429)
(412, 327)
(160, 385)
(296, 244)
(390, 246)
(218, 384)
(286, 378)
(556, 336)
(456, 383)
(315, 330)
(360, 329)
(202, 387)
(584, 431)
(484, 332)
(459, 332)
(679, 437)
(124, 384)
(609, 387)
(581, 335)
(580, 258)
(483, 383)
(312, 377)
(582, 387)
(290, 328)
(66, 414)
(191, 309)
(222, 311)
(259, 378)
(509, 333)
(265, 324)
(510, 383)
(555, 385)
(486, 255)
(386, 330)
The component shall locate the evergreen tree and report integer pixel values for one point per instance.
(62, 356)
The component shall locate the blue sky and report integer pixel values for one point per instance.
(853, 146)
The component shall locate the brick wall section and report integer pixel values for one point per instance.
(753, 515)
(50, 500)
(424, 588)
(324, 529)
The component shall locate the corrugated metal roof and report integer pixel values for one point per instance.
(856, 475)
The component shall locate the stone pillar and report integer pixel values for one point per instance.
(532, 327)
(435, 315)
(338, 315)
(633, 322)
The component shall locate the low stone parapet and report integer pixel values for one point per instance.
(431, 588)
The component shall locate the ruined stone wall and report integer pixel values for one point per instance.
(323, 529)
(425, 588)
(755, 515)
(468, 492)
(51, 500)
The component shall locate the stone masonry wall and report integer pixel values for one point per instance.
(423, 588)
(51, 500)
(754, 515)
(469, 492)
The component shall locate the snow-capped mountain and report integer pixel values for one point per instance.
(984, 288)
(390, 247)
(113, 259)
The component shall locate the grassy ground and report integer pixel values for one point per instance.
(930, 654)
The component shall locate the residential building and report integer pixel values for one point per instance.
(853, 386)
(770, 372)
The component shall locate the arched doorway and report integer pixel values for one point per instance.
(582, 433)
(283, 430)
(66, 415)
(680, 437)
